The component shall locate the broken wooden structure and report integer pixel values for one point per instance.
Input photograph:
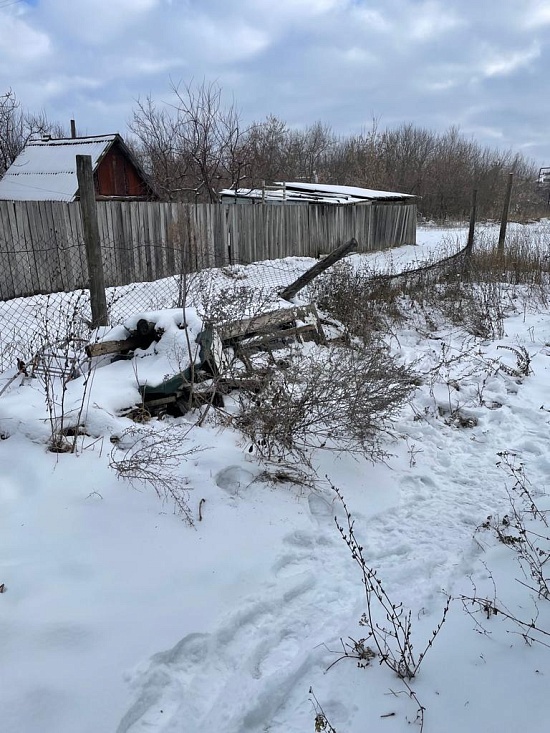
(212, 375)
(226, 350)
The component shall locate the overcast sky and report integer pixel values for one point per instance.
(480, 64)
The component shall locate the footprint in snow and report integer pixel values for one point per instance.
(234, 478)
(320, 508)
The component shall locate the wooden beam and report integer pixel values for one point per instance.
(112, 347)
(291, 290)
(505, 209)
(471, 231)
(264, 322)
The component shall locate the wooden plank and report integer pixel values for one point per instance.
(41, 247)
(26, 248)
(18, 260)
(139, 219)
(49, 213)
(108, 253)
(152, 238)
(264, 321)
(220, 236)
(61, 236)
(166, 251)
(155, 237)
(78, 250)
(256, 341)
(7, 286)
(125, 248)
(130, 238)
(111, 347)
(71, 252)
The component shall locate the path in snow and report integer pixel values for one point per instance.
(253, 670)
(240, 675)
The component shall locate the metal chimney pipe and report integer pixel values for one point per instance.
(73, 129)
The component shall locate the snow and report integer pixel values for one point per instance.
(353, 191)
(118, 616)
(313, 193)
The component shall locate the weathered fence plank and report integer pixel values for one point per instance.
(42, 246)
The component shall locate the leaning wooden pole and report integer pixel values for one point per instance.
(505, 209)
(319, 267)
(88, 211)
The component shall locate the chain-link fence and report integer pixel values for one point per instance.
(158, 256)
(27, 321)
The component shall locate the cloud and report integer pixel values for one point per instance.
(537, 14)
(482, 65)
(97, 21)
(20, 43)
(432, 20)
(501, 64)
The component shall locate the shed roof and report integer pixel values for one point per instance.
(45, 170)
(297, 192)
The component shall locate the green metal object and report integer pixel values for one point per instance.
(180, 384)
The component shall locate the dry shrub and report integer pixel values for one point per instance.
(332, 397)
(365, 303)
(356, 299)
(147, 456)
(471, 290)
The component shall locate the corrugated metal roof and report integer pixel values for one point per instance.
(297, 192)
(350, 192)
(45, 170)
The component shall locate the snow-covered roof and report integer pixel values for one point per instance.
(315, 193)
(45, 170)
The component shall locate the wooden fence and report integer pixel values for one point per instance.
(42, 250)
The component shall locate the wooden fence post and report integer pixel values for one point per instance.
(88, 211)
(471, 231)
(504, 220)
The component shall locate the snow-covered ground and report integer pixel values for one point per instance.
(118, 616)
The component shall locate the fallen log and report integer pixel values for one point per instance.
(291, 290)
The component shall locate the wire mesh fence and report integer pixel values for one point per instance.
(26, 321)
(158, 256)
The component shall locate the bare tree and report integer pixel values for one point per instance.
(308, 152)
(194, 146)
(17, 126)
(265, 144)
(210, 133)
(157, 146)
(198, 145)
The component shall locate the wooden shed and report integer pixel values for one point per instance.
(45, 170)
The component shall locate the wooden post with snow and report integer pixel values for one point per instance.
(90, 226)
